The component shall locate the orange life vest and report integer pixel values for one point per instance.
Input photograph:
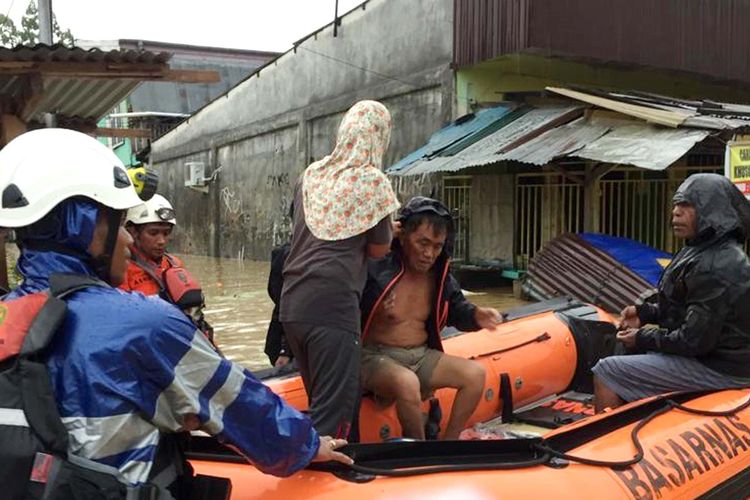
(143, 275)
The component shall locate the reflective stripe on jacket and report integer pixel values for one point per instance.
(125, 367)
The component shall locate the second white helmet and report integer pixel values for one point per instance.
(157, 209)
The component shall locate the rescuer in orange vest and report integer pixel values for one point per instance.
(153, 271)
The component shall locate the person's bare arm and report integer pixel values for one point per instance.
(375, 251)
(379, 238)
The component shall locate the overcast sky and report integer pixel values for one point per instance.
(244, 24)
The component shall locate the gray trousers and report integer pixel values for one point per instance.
(328, 359)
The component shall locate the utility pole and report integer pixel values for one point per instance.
(44, 7)
(336, 21)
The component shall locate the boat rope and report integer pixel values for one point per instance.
(622, 464)
(616, 464)
(539, 338)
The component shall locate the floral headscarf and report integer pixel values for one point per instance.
(346, 193)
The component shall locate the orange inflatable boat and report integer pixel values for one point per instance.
(537, 395)
(543, 349)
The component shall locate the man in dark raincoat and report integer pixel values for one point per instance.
(697, 334)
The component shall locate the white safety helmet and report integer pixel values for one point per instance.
(157, 209)
(41, 168)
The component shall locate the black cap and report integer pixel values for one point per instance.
(421, 205)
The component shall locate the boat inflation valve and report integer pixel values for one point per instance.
(385, 432)
(145, 181)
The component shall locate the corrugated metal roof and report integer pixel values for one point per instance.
(83, 98)
(665, 110)
(570, 266)
(88, 94)
(485, 132)
(539, 135)
(490, 149)
(464, 126)
(526, 127)
(61, 53)
(558, 142)
(642, 145)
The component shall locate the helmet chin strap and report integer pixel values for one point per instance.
(103, 263)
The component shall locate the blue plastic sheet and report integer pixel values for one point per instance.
(642, 259)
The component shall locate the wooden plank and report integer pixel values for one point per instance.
(11, 127)
(192, 76)
(32, 94)
(123, 132)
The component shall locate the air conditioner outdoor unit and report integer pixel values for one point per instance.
(195, 174)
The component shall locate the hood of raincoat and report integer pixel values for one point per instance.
(58, 243)
(720, 208)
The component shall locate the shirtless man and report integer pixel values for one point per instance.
(402, 357)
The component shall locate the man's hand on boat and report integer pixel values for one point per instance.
(629, 318)
(627, 337)
(487, 317)
(327, 451)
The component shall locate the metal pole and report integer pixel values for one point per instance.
(336, 20)
(44, 8)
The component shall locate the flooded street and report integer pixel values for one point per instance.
(238, 307)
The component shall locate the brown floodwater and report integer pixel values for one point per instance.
(239, 309)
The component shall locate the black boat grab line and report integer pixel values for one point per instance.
(415, 458)
(533, 452)
(372, 471)
(539, 338)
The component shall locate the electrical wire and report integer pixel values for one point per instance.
(368, 70)
(355, 66)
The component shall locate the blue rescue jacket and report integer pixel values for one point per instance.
(126, 368)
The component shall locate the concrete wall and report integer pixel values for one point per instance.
(265, 131)
(492, 218)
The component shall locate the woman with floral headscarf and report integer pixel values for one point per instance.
(341, 216)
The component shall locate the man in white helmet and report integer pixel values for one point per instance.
(153, 271)
(91, 397)
(150, 225)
